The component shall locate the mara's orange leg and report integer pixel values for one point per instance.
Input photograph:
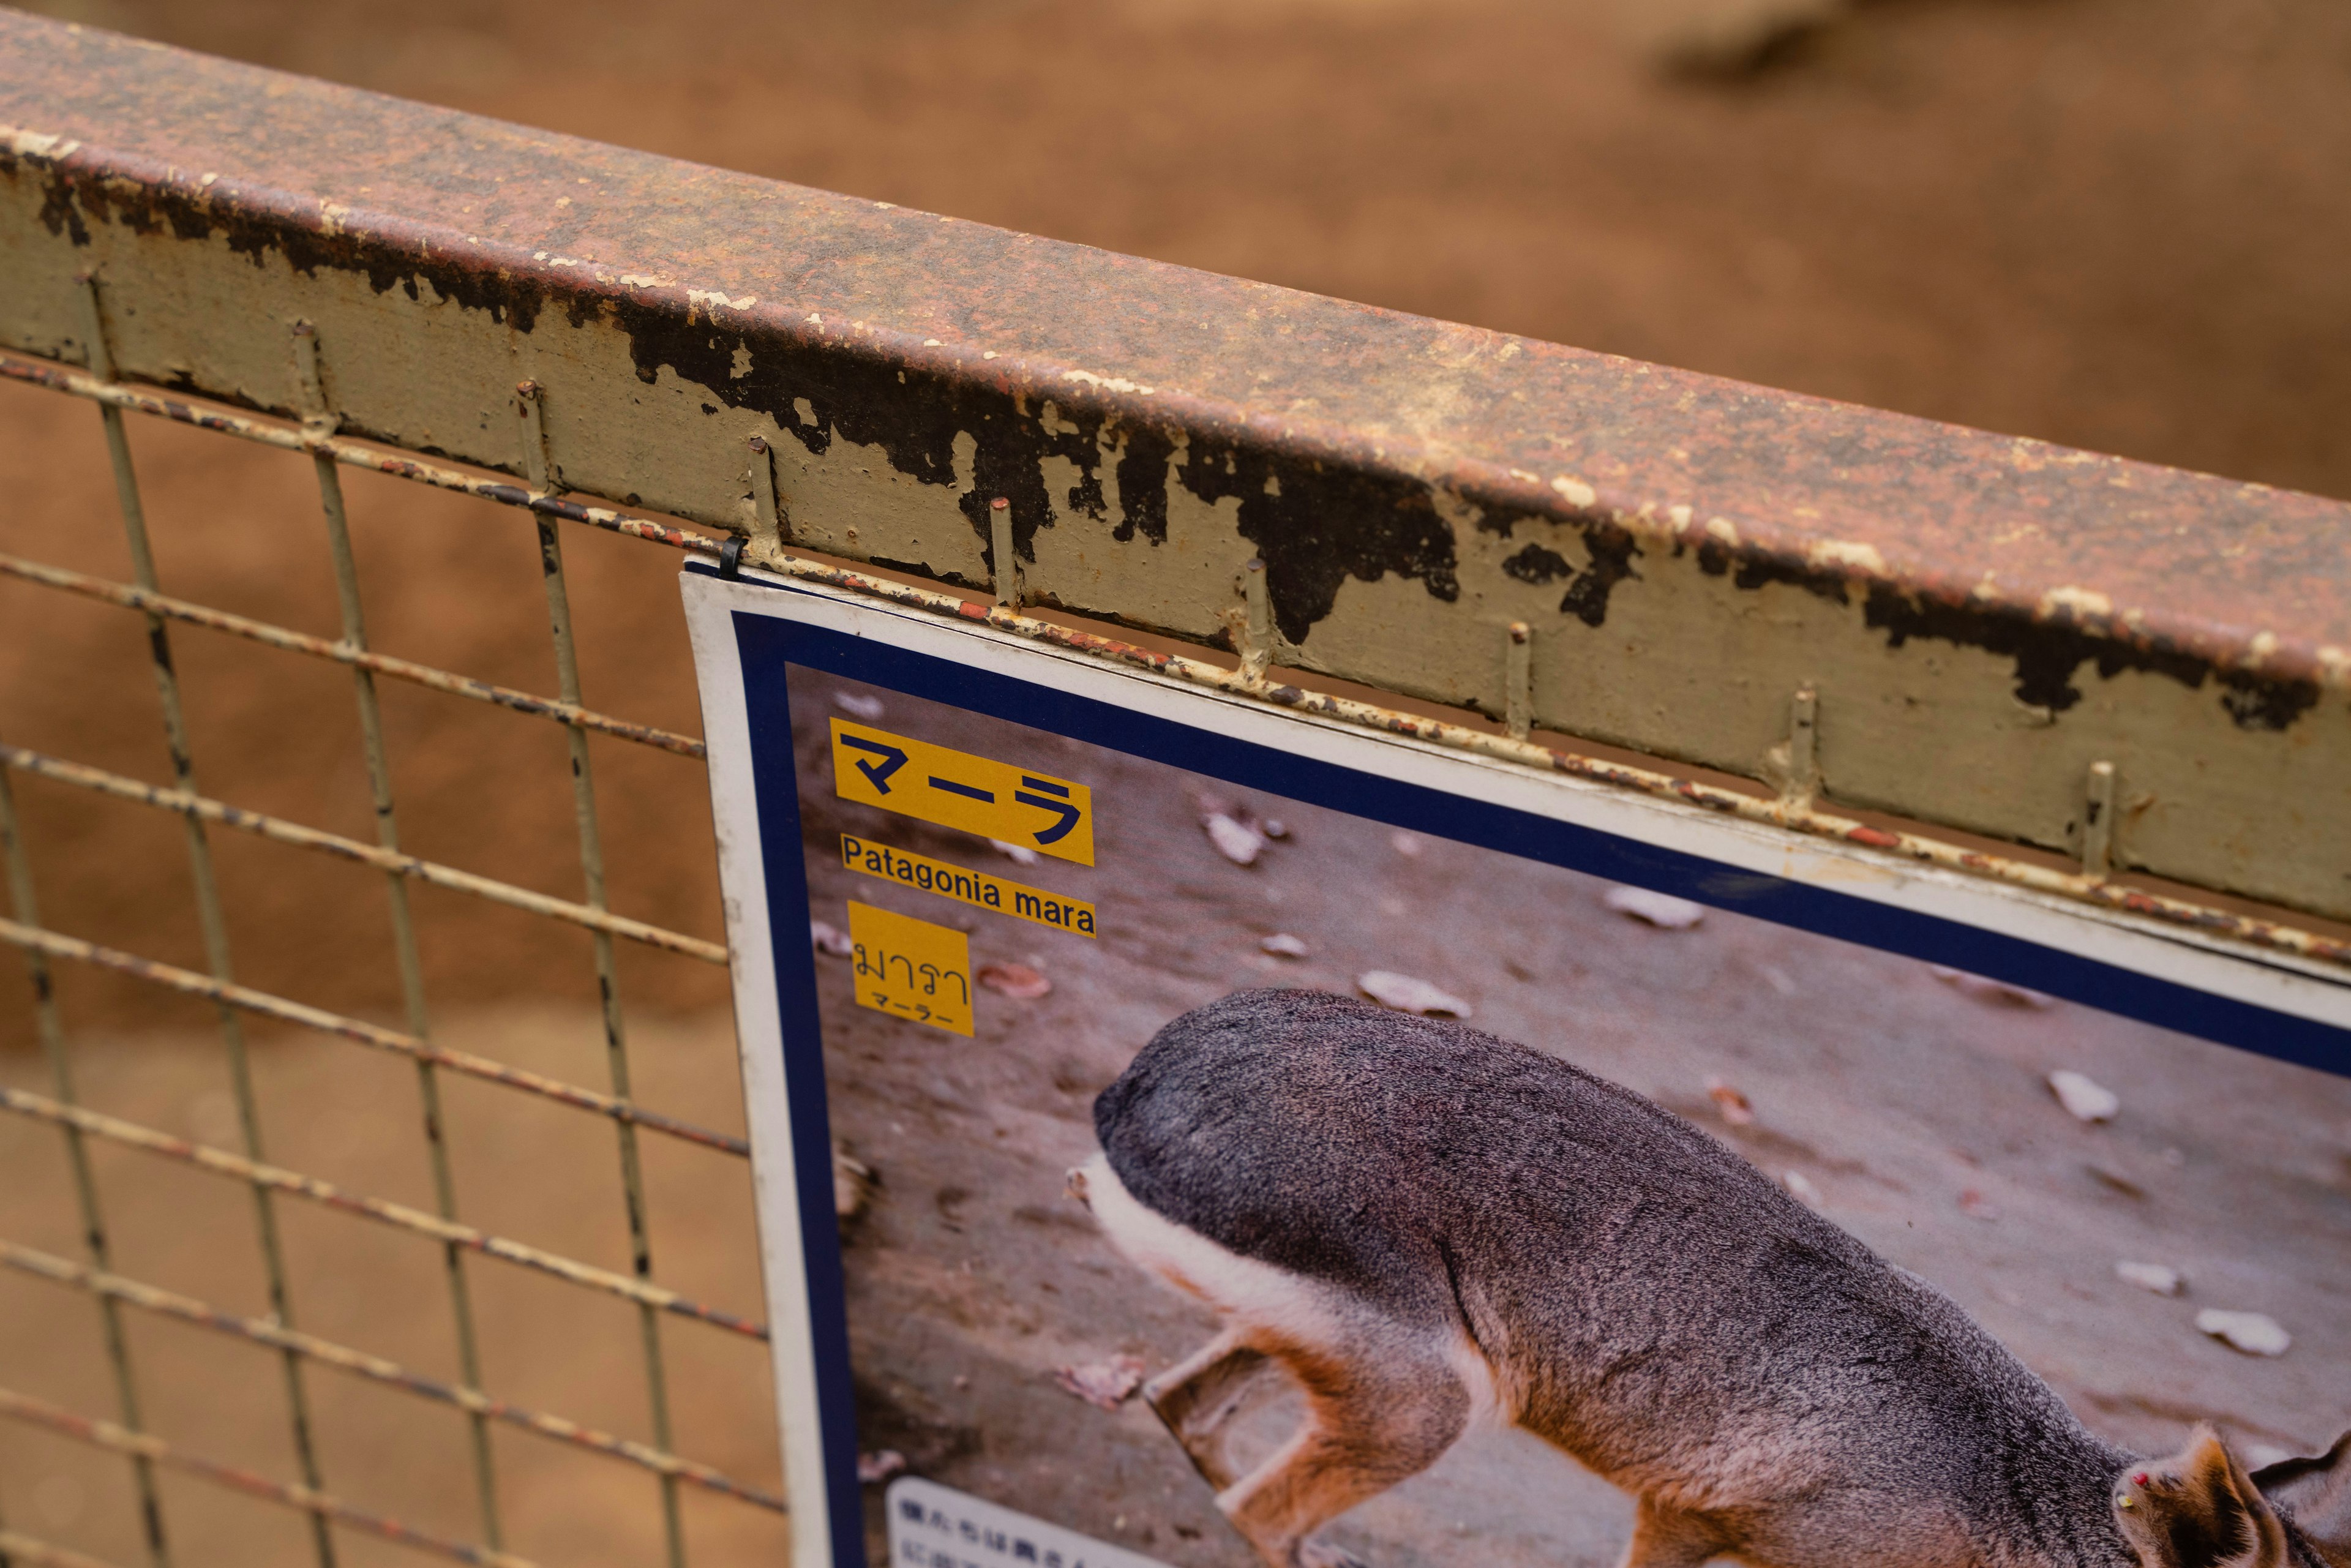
(1663, 1538)
(1195, 1398)
(1373, 1418)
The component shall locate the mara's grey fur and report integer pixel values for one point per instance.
(1426, 1226)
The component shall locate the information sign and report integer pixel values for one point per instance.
(1191, 1133)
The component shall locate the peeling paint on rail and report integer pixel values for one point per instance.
(1981, 618)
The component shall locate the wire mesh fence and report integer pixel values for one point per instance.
(331, 1501)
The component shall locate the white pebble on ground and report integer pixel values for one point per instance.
(1236, 841)
(1406, 994)
(2085, 1099)
(2255, 1334)
(2160, 1277)
(1662, 910)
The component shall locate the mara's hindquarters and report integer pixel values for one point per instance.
(1384, 1400)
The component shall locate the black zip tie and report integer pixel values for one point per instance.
(730, 558)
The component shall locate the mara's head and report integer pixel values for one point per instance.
(2198, 1509)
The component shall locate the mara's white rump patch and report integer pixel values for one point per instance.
(1269, 1307)
(1247, 1294)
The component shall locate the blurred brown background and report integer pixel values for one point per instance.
(2116, 223)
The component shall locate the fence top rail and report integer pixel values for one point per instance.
(524, 222)
(1984, 619)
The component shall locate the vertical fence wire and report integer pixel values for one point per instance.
(211, 919)
(50, 1025)
(403, 927)
(591, 865)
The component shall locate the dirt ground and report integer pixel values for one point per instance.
(2112, 222)
(1919, 1112)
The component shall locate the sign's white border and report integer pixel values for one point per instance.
(2114, 938)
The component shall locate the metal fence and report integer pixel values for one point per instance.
(2111, 686)
(123, 1430)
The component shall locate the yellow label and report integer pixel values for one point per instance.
(976, 888)
(911, 969)
(955, 790)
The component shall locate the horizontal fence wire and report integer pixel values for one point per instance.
(317, 1504)
(400, 1217)
(58, 945)
(279, 829)
(18, 1548)
(114, 394)
(130, 597)
(185, 1309)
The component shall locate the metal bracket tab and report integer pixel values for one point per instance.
(309, 386)
(770, 525)
(1256, 639)
(537, 466)
(1518, 682)
(93, 327)
(1804, 780)
(1002, 562)
(2099, 821)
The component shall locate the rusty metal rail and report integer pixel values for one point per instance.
(1982, 620)
(1793, 809)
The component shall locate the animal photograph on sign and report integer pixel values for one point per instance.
(1227, 1179)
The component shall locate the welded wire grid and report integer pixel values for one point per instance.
(123, 1430)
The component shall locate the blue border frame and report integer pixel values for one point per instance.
(766, 644)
